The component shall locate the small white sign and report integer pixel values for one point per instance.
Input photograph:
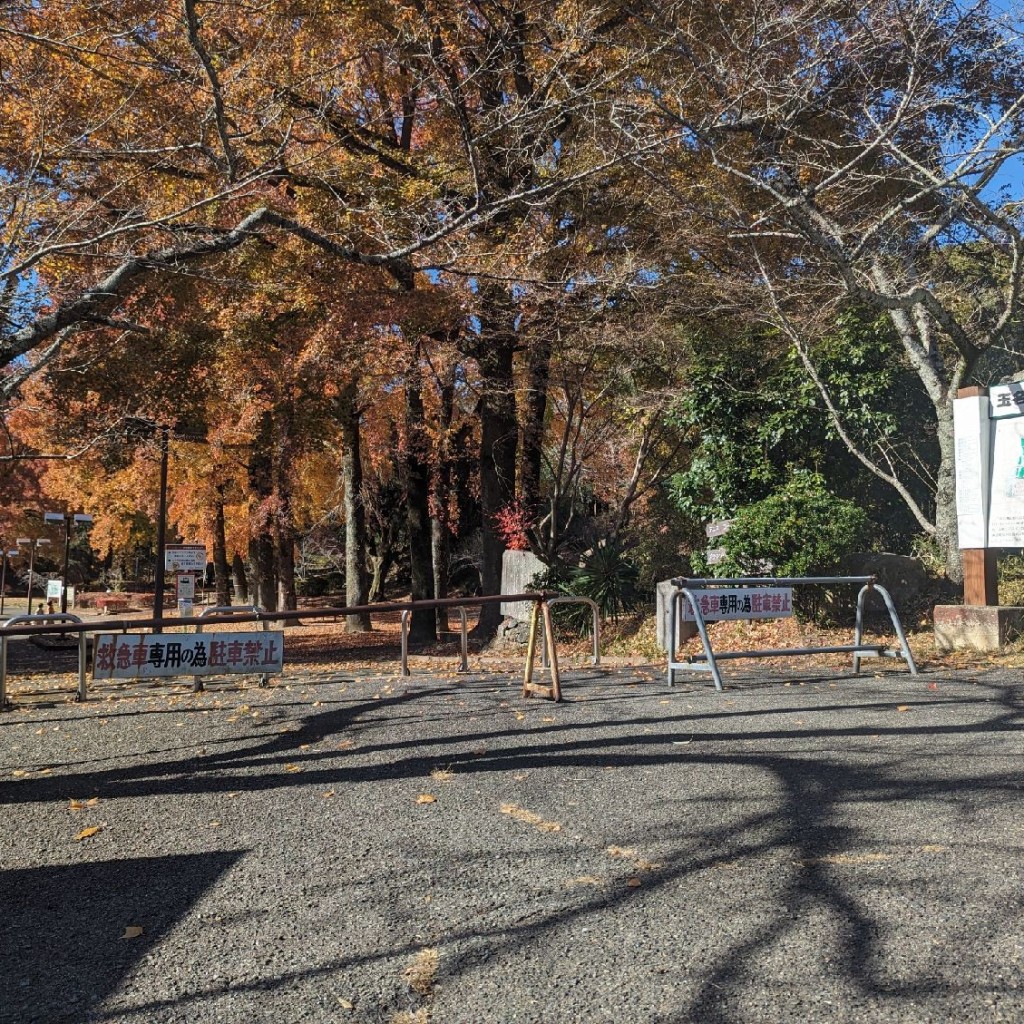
(741, 603)
(1006, 400)
(53, 589)
(185, 558)
(148, 655)
(185, 583)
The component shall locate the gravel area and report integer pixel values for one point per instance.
(363, 848)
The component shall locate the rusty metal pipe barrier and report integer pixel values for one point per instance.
(62, 617)
(463, 639)
(595, 628)
(61, 625)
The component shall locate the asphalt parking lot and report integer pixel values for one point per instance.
(362, 848)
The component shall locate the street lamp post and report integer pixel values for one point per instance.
(34, 542)
(70, 520)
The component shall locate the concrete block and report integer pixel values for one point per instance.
(965, 627)
(517, 569)
(663, 609)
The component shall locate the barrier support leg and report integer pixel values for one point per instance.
(531, 650)
(556, 682)
(5, 704)
(197, 681)
(702, 630)
(406, 616)
(464, 662)
(897, 626)
(265, 677)
(83, 656)
(858, 626)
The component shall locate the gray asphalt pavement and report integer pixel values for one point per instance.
(800, 848)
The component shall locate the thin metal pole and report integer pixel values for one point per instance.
(3, 581)
(161, 535)
(556, 679)
(464, 663)
(406, 616)
(31, 570)
(4, 705)
(83, 657)
(698, 618)
(68, 520)
(897, 625)
(531, 649)
(858, 626)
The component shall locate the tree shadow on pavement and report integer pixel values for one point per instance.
(62, 949)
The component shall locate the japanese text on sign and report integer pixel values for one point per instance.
(742, 603)
(185, 558)
(147, 655)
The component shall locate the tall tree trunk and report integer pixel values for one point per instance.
(440, 533)
(262, 561)
(221, 570)
(356, 584)
(439, 552)
(535, 407)
(946, 530)
(498, 441)
(423, 626)
(239, 579)
(287, 598)
(262, 546)
(381, 567)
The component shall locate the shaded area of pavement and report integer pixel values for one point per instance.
(800, 848)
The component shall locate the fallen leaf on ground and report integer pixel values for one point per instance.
(292, 768)
(87, 833)
(584, 880)
(442, 774)
(329, 793)
(903, 707)
(419, 975)
(530, 818)
(426, 798)
(847, 859)
(634, 883)
(133, 931)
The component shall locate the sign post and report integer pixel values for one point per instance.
(988, 435)
(184, 562)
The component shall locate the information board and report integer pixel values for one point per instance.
(185, 558)
(989, 445)
(149, 655)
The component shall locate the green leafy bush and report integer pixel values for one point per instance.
(800, 530)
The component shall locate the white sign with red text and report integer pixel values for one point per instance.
(741, 603)
(149, 655)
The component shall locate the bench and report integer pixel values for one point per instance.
(111, 604)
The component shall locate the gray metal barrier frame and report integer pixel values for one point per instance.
(226, 613)
(708, 661)
(60, 618)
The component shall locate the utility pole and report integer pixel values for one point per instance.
(161, 533)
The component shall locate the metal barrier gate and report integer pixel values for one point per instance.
(61, 618)
(685, 589)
